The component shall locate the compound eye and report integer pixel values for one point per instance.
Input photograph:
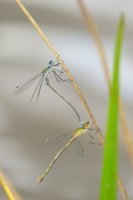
(87, 123)
(50, 62)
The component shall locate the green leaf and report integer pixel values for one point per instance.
(108, 188)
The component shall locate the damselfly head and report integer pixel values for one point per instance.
(86, 124)
(51, 62)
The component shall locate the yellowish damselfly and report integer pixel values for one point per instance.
(85, 129)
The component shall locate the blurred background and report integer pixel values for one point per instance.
(23, 125)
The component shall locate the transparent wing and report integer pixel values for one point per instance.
(92, 131)
(56, 139)
(78, 148)
(24, 86)
(37, 86)
(91, 134)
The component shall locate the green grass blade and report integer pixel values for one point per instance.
(108, 188)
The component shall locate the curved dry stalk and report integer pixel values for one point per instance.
(50, 46)
(84, 102)
(9, 190)
(91, 25)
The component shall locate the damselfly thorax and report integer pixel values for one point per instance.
(83, 129)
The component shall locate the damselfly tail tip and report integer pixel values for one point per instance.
(40, 179)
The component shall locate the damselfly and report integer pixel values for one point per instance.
(85, 129)
(44, 77)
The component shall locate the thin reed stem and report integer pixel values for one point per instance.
(92, 27)
(9, 190)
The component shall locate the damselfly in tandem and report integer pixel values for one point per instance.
(86, 130)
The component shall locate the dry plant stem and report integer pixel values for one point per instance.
(93, 29)
(91, 25)
(45, 39)
(126, 132)
(9, 190)
(122, 189)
